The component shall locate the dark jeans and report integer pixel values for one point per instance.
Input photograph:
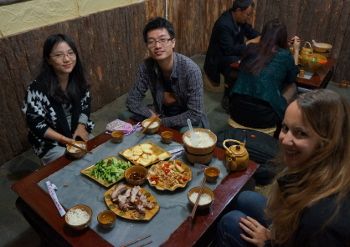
(249, 203)
(252, 112)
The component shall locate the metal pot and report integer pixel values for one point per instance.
(236, 156)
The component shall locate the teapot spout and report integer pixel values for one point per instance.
(314, 42)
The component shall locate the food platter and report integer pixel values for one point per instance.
(133, 213)
(145, 154)
(107, 171)
(169, 175)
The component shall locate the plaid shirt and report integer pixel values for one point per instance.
(187, 87)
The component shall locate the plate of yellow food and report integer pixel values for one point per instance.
(107, 171)
(169, 175)
(131, 202)
(145, 154)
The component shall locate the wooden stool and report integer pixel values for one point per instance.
(234, 124)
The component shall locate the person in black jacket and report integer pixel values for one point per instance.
(57, 102)
(309, 203)
(227, 42)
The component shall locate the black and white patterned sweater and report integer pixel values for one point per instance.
(43, 111)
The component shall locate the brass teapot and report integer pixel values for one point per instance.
(236, 156)
(306, 50)
(309, 60)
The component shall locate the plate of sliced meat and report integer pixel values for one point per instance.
(131, 202)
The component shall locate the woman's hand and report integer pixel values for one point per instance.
(296, 42)
(256, 40)
(81, 132)
(255, 233)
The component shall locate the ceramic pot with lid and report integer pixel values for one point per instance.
(236, 155)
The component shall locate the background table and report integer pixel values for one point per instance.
(319, 79)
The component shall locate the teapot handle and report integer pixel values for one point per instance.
(230, 140)
(307, 43)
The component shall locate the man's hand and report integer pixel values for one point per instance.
(255, 233)
(81, 132)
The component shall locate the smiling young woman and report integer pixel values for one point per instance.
(57, 103)
(310, 199)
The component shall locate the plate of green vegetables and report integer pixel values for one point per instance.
(107, 171)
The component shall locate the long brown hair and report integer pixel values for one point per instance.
(257, 56)
(326, 174)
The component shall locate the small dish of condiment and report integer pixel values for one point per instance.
(136, 175)
(211, 174)
(106, 219)
(167, 136)
(117, 136)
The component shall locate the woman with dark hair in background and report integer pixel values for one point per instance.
(266, 79)
(309, 203)
(57, 103)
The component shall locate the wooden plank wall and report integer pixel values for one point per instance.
(111, 47)
(110, 44)
(193, 21)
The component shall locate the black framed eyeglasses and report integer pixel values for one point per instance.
(60, 56)
(153, 42)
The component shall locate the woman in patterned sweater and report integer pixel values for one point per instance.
(57, 103)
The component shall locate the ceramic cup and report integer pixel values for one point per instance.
(117, 136)
(167, 136)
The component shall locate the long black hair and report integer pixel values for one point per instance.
(257, 56)
(47, 76)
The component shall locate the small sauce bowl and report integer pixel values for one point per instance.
(117, 136)
(136, 175)
(167, 136)
(211, 174)
(106, 219)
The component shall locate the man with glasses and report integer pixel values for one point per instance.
(174, 81)
(227, 43)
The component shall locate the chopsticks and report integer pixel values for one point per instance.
(193, 213)
(78, 147)
(142, 245)
(138, 240)
(153, 119)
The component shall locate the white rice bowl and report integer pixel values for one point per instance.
(199, 139)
